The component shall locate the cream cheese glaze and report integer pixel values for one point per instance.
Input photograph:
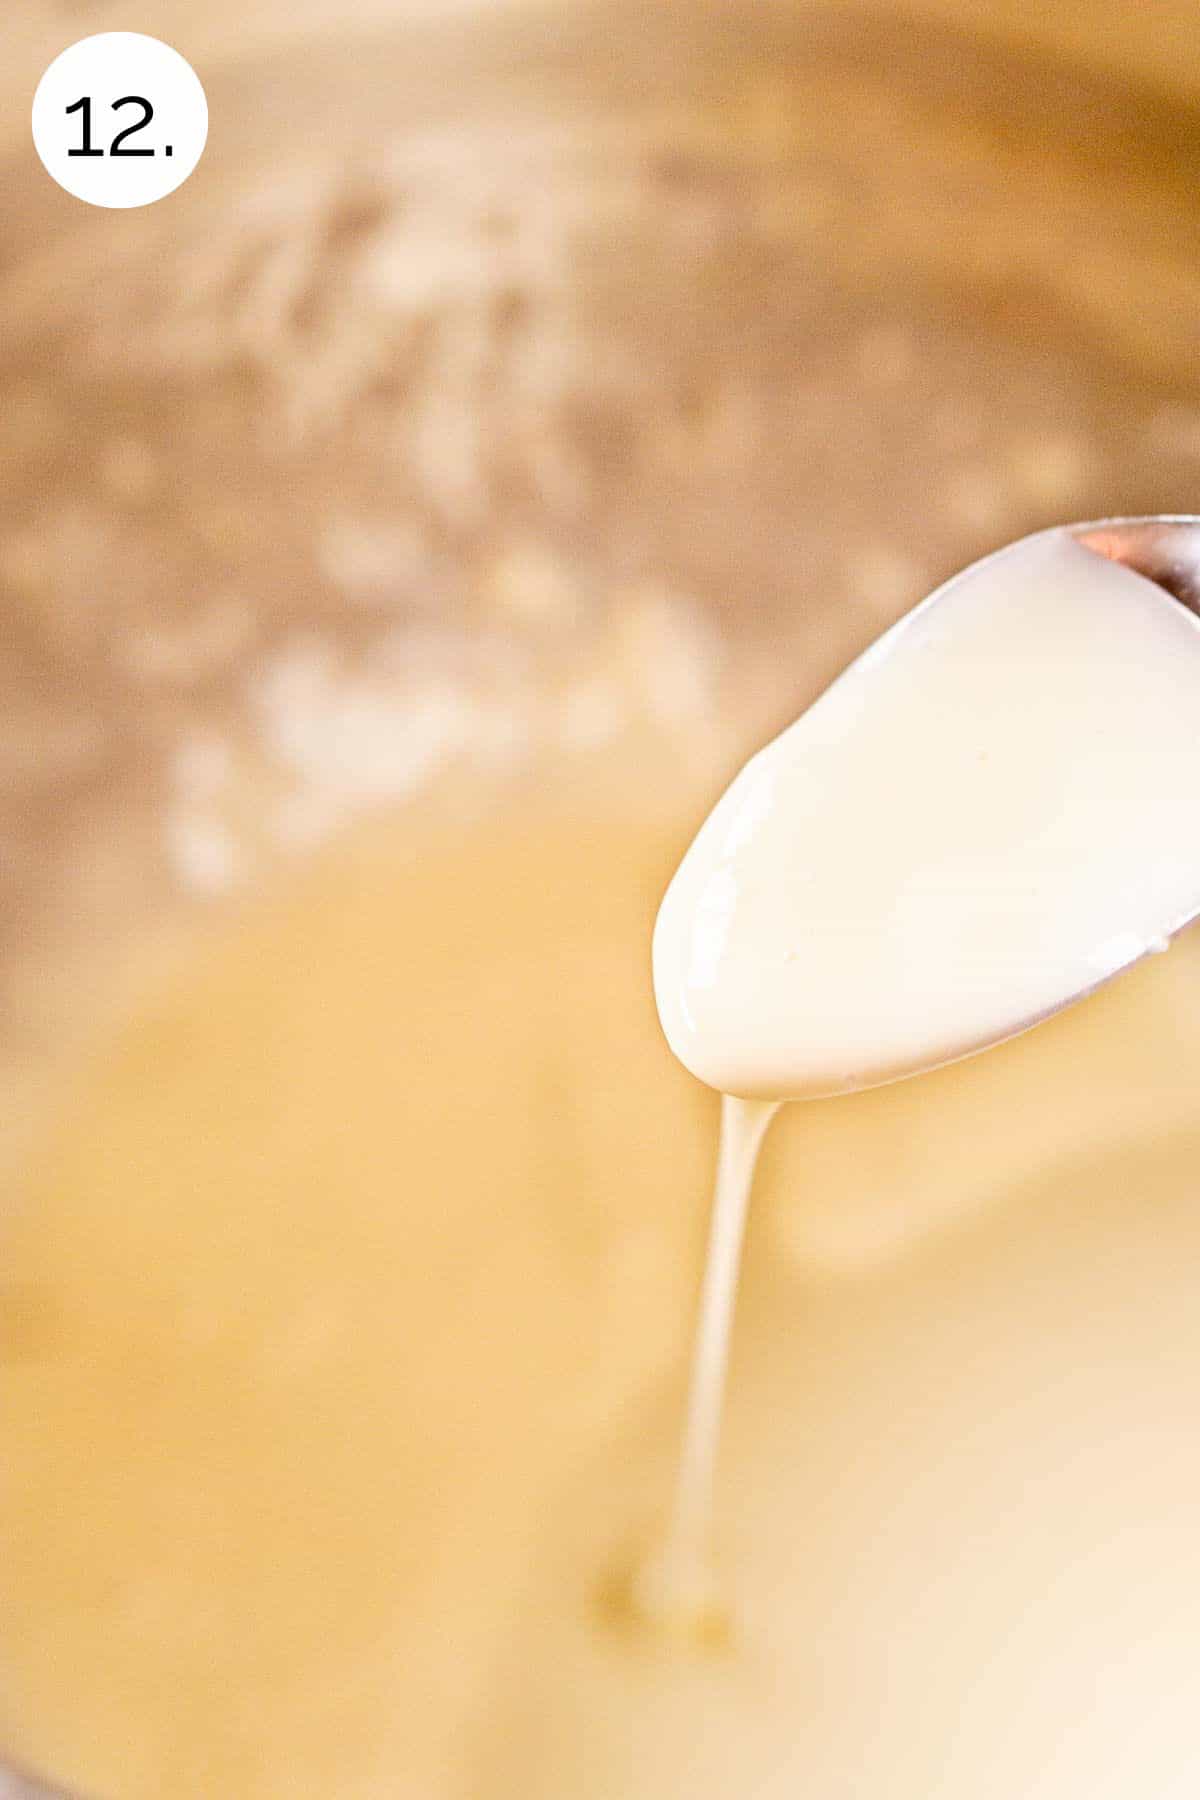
(983, 817)
(344, 1301)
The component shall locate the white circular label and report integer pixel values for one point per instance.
(120, 119)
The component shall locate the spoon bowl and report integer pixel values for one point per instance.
(1165, 549)
(972, 828)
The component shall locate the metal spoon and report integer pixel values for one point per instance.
(676, 1589)
(721, 924)
(1164, 548)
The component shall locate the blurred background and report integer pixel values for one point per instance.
(512, 374)
(520, 386)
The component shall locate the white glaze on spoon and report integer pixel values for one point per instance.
(987, 815)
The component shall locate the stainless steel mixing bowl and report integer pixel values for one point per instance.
(512, 379)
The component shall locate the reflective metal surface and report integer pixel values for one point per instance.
(491, 361)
